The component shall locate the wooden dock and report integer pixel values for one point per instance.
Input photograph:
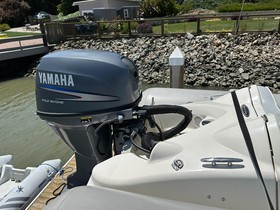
(24, 46)
(57, 183)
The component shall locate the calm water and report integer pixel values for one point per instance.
(23, 133)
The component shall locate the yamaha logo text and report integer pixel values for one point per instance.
(56, 79)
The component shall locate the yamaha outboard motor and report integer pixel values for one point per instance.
(90, 98)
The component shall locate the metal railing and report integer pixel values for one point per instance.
(21, 43)
(16, 47)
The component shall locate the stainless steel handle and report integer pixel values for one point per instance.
(215, 160)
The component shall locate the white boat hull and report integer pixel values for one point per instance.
(209, 165)
(181, 168)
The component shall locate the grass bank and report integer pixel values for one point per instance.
(17, 34)
(218, 25)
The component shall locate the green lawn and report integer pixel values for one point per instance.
(220, 26)
(17, 34)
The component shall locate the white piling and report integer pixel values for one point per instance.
(176, 63)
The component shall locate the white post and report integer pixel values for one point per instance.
(176, 63)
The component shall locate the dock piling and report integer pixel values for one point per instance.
(176, 63)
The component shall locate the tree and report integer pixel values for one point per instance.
(65, 7)
(147, 8)
(49, 6)
(158, 8)
(13, 12)
(167, 7)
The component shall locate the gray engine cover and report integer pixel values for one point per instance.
(75, 82)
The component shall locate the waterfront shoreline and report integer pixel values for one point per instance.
(214, 60)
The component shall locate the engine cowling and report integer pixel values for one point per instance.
(77, 91)
(85, 82)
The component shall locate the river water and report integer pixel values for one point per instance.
(23, 133)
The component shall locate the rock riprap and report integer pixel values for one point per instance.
(215, 60)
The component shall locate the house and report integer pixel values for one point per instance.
(109, 9)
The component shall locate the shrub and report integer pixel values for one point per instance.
(103, 27)
(133, 27)
(4, 27)
(69, 16)
(249, 7)
(85, 29)
(158, 8)
(208, 4)
(145, 28)
(66, 7)
(114, 26)
(184, 8)
(110, 26)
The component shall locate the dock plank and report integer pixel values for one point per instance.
(47, 193)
